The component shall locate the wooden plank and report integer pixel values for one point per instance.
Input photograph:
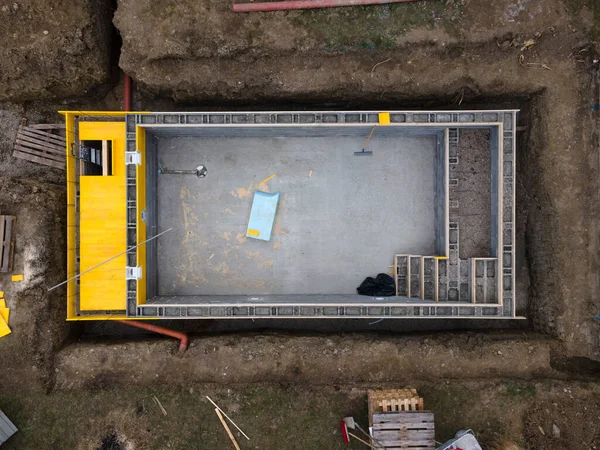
(229, 433)
(396, 273)
(411, 448)
(104, 158)
(425, 443)
(40, 148)
(12, 244)
(8, 223)
(40, 134)
(436, 279)
(408, 416)
(409, 425)
(408, 283)
(9, 249)
(37, 159)
(47, 126)
(32, 142)
(33, 152)
(412, 435)
(7, 233)
(2, 226)
(422, 278)
(38, 138)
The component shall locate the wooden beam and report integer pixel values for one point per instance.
(38, 159)
(104, 158)
(229, 433)
(47, 126)
(42, 134)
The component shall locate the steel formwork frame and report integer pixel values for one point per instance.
(142, 300)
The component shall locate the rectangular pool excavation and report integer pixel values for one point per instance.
(284, 214)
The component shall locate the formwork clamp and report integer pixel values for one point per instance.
(133, 158)
(133, 273)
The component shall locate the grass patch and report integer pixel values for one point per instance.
(375, 27)
(519, 390)
(273, 417)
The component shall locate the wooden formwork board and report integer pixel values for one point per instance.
(7, 242)
(413, 430)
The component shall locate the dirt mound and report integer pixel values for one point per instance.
(53, 49)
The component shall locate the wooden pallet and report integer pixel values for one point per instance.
(39, 145)
(7, 242)
(414, 430)
(393, 400)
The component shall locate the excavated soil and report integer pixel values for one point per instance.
(537, 55)
(53, 49)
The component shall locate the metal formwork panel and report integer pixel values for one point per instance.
(455, 294)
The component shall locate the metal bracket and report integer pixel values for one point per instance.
(133, 158)
(133, 273)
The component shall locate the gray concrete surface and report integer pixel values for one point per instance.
(334, 227)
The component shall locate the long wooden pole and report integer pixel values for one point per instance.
(235, 444)
(228, 418)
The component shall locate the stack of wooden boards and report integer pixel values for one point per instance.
(398, 421)
(37, 143)
(4, 314)
(7, 242)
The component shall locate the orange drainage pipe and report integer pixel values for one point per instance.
(307, 4)
(183, 338)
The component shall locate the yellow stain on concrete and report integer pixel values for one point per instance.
(242, 192)
(103, 223)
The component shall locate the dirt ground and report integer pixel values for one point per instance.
(289, 388)
(533, 415)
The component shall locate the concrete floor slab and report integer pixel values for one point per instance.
(341, 217)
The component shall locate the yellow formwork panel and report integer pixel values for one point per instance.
(102, 113)
(103, 224)
(71, 231)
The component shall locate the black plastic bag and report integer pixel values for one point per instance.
(381, 286)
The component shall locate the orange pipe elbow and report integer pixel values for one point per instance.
(183, 338)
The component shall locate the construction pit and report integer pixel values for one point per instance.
(74, 377)
(330, 230)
